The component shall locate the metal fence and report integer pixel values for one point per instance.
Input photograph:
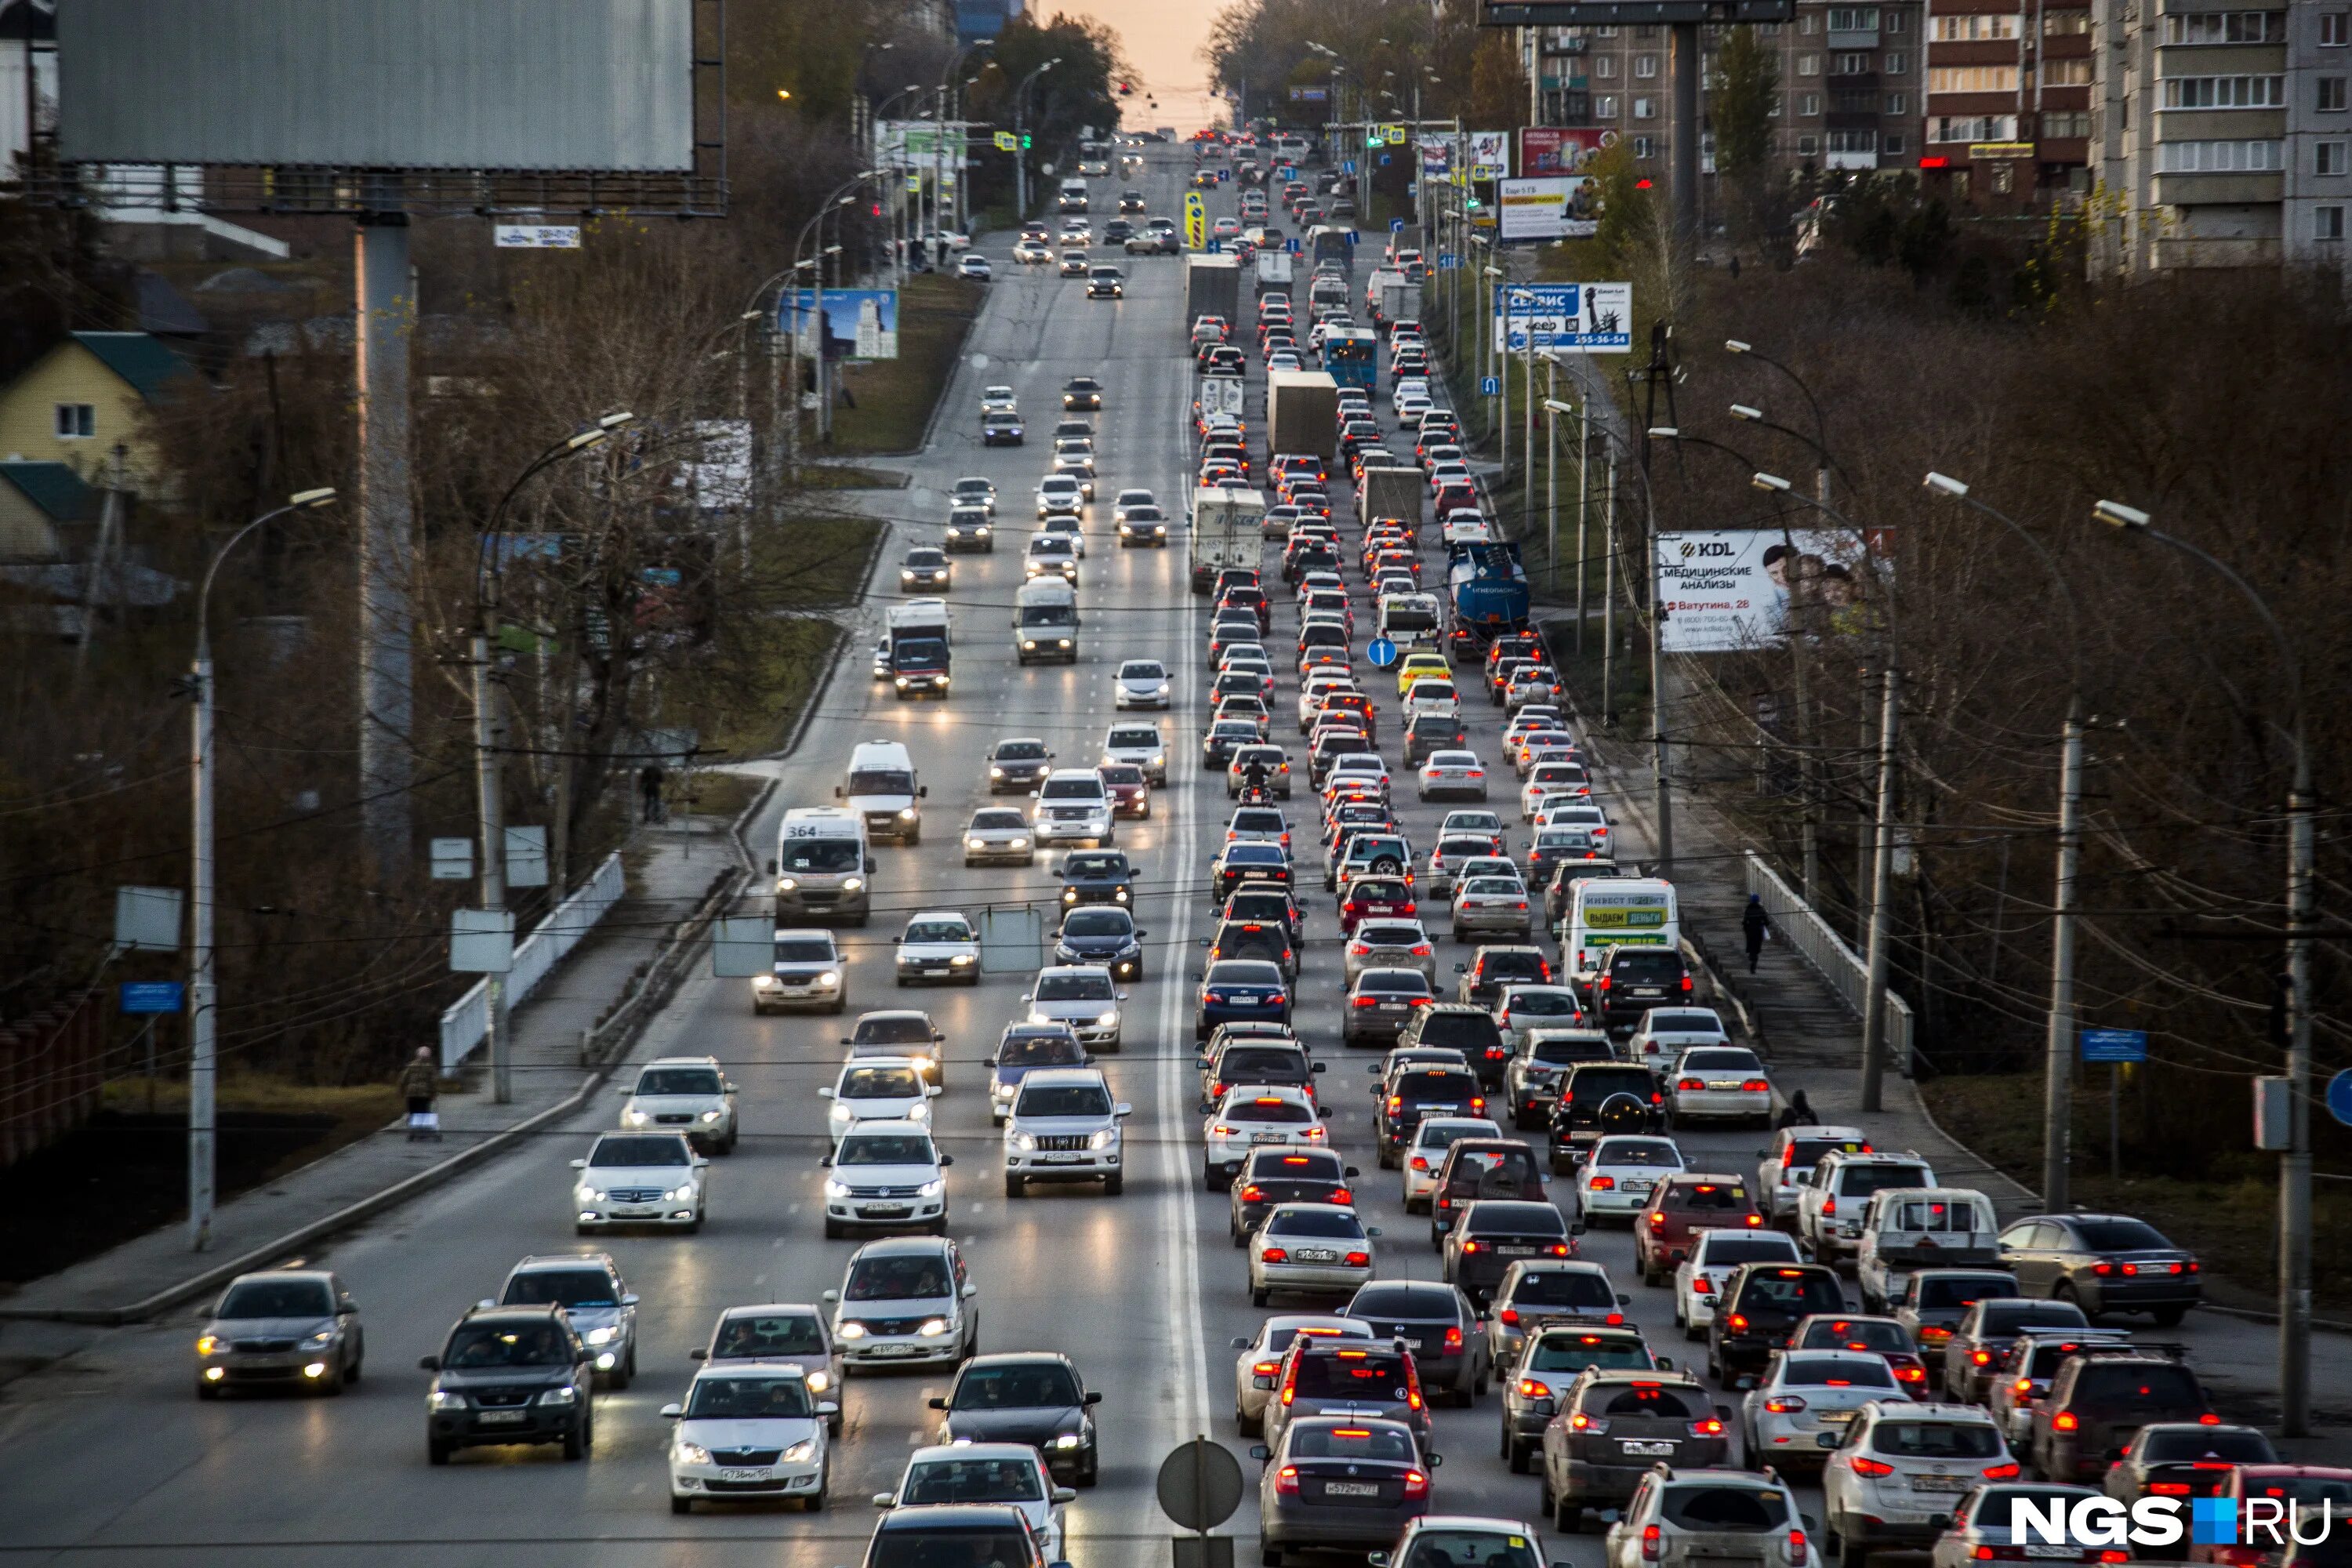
(467, 1022)
(1845, 970)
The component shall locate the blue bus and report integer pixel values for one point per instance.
(1351, 355)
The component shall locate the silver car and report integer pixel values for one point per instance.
(588, 1287)
(1390, 944)
(689, 1094)
(998, 835)
(906, 1301)
(1082, 995)
(1311, 1249)
(282, 1328)
(1491, 904)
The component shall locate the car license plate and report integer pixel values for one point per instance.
(1515, 1251)
(1648, 991)
(1723, 1083)
(637, 1211)
(504, 1417)
(1351, 1489)
(1266, 1137)
(1836, 1417)
(1637, 1186)
(1939, 1483)
(742, 1473)
(1064, 1159)
(2052, 1552)
(1645, 1447)
(895, 1349)
(1314, 1255)
(884, 1210)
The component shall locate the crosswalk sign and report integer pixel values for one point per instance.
(1006, 142)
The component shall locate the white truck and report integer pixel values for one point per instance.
(1398, 299)
(1612, 913)
(823, 870)
(1905, 1229)
(1224, 530)
(1302, 414)
(1219, 395)
(1273, 269)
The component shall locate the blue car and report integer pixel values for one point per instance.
(1022, 1050)
(1241, 991)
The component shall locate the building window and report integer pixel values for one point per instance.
(1768, 29)
(2060, 124)
(77, 422)
(1897, 62)
(2330, 96)
(1972, 78)
(1646, 30)
(1895, 143)
(1605, 107)
(1849, 63)
(1853, 18)
(1646, 147)
(1645, 109)
(1972, 128)
(1605, 66)
(2328, 158)
(2226, 27)
(1808, 146)
(2334, 29)
(2225, 92)
(1645, 65)
(2257, 157)
(2066, 73)
(2065, 24)
(1808, 24)
(2328, 224)
(1809, 65)
(1606, 30)
(1895, 22)
(2004, 179)
(1974, 29)
(1898, 103)
(1854, 141)
(1809, 104)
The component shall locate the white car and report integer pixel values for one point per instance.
(1720, 1081)
(750, 1431)
(1484, 824)
(1409, 410)
(1142, 745)
(1465, 529)
(906, 1300)
(886, 1173)
(1064, 1126)
(1436, 698)
(953, 238)
(1491, 905)
(808, 971)
(1622, 1170)
(1012, 1473)
(1309, 1250)
(1699, 1278)
(1519, 1009)
(1425, 1151)
(689, 1094)
(1064, 526)
(1032, 252)
(974, 266)
(1665, 1032)
(1789, 1161)
(1579, 814)
(1061, 493)
(999, 400)
(1127, 499)
(1254, 1116)
(998, 835)
(1406, 389)
(1261, 1359)
(939, 944)
(1905, 1483)
(1315, 688)
(640, 1178)
(876, 1088)
(1082, 995)
(1141, 683)
(1802, 1402)
(1453, 773)
(1073, 807)
(1049, 555)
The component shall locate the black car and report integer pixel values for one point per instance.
(1415, 1092)
(924, 567)
(1498, 965)
(510, 1374)
(1240, 990)
(1221, 740)
(1287, 1176)
(1018, 765)
(1492, 1234)
(1082, 392)
(1118, 231)
(1430, 732)
(1597, 1098)
(2102, 1395)
(1235, 1059)
(1033, 1397)
(1477, 1168)
(1468, 1029)
(1637, 979)
(1440, 1326)
(2184, 1458)
(1266, 902)
(1240, 863)
(1339, 1483)
(1097, 877)
(1254, 938)
(1108, 935)
(1757, 1308)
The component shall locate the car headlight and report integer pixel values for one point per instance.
(960, 958)
(319, 1340)
(786, 884)
(692, 1453)
(1026, 643)
(1103, 1138)
(801, 1452)
(836, 1189)
(208, 1344)
(763, 982)
(1027, 1142)
(902, 680)
(603, 1336)
(586, 1195)
(564, 1394)
(934, 1329)
(1064, 643)
(975, 844)
(852, 884)
(932, 1188)
(1002, 1091)
(830, 978)
(1162, 692)
(919, 1112)
(712, 1115)
(1159, 759)
(996, 772)
(1108, 1020)
(818, 1382)
(635, 1117)
(442, 1399)
(678, 1195)
(1067, 1440)
(840, 1113)
(846, 1331)
(906, 814)
(1017, 844)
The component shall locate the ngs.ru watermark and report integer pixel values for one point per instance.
(2157, 1521)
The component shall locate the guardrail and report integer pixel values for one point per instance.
(1845, 970)
(467, 1021)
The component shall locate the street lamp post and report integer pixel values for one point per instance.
(1821, 443)
(2294, 1165)
(2058, 1049)
(204, 1064)
(1020, 134)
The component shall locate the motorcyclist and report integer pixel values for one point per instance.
(1256, 780)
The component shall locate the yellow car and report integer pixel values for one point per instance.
(1421, 666)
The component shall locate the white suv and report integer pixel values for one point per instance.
(1142, 745)
(685, 1094)
(1064, 1127)
(1073, 807)
(1830, 1204)
(1699, 1278)
(1894, 1478)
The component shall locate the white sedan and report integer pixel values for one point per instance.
(999, 400)
(1459, 774)
(1700, 1276)
(1255, 1116)
(974, 266)
(939, 944)
(1621, 1173)
(1061, 493)
(876, 1088)
(763, 1406)
(1491, 905)
(1141, 683)
(1725, 1081)
(1805, 1400)
(1012, 1473)
(1433, 697)
(998, 834)
(1665, 1032)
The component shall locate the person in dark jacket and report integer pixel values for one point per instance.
(1799, 1113)
(1753, 924)
(420, 1086)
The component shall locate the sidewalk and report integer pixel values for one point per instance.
(669, 871)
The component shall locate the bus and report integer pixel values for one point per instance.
(1350, 357)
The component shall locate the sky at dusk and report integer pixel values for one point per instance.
(1162, 39)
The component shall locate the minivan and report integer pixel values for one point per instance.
(883, 790)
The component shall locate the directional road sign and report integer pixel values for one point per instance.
(1396, 226)
(1382, 652)
(2115, 1044)
(151, 996)
(2339, 1097)
(1489, 385)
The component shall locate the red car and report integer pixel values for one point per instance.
(1130, 792)
(1682, 1207)
(1374, 898)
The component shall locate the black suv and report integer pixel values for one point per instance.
(1470, 1031)
(1239, 1061)
(2100, 1397)
(1637, 979)
(1439, 1324)
(1415, 1092)
(1474, 1168)
(1492, 1234)
(1758, 1305)
(1268, 901)
(510, 1374)
(1097, 877)
(1428, 733)
(1612, 1426)
(1256, 939)
(1597, 1098)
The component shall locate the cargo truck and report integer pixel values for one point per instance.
(1213, 286)
(1302, 411)
(918, 644)
(1219, 395)
(1390, 492)
(1399, 300)
(1487, 590)
(1373, 296)
(1224, 531)
(1273, 269)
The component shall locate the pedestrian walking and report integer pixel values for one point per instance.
(649, 790)
(420, 1086)
(1754, 923)
(1798, 1113)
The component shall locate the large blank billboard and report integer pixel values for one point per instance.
(379, 84)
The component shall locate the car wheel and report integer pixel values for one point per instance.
(618, 1378)
(833, 1230)
(814, 1501)
(1567, 1518)
(2166, 1317)
(1208, 1180)
(1114, 1186)
(1247, 1426)
(1259, 1298)
(680, 1504)
(1016, 1187)
(1857, 1554)
(436, 1452)
(1270, 1556)
(575, 1443)
(1545, 1504)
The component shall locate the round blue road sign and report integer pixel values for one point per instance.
(1383, 653)
(2339, 1097)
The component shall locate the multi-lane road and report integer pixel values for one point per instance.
(108, 1458)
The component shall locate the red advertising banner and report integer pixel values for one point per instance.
(1548, 150)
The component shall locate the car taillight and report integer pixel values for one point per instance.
(1702, 1286)
(1711, 1427)
(1650, 1544)
(1918, 1374)
(1252, 1194)
(1687, 982)
(2169, 1488)
(1416, 1485)
(1469, 1247)
(1602, 1184)
(1685, 1083)
(1829, 1207)
(1755, 1085)
(1756, 1221)
(1934, 1332)
(1274, 1255)
(1343, 1198)
(1510, 1315)
(2209, 1420)
(1784, 1404)
(1453, 1338)
(2065, 1421)
(1797, 1549)
(1396, 1103)
(1360, 1260)
(1982, 1555)
(1737, 1321)
(1603, 983)
(1420, 1163)
(1865, 1465)
(1267, 1368)
(2008, 1472)
(1657, 1221)
(2115, 1556)
(2023, 1385)
(1981, 1358)
(1530, 1389)
(1286, 1480)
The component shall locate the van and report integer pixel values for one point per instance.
(882, 792)
(1411, 620)
(1618, 911)
(821, 866)
(1072, 196)
(1907, 1228)
(1046, 621)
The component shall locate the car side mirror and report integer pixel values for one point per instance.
(1373, 1069)
(936, 1403)
(1260, 1452)
(700, 1161)
(1240, 1343)
(1376, 1559)
(970, 1291)
(699, 1353)
(1093, 1396)
(672, 1411)
(837, 793)
(846, 1040)
(1315, 1068)
(884, 1499)
(825, 1092)
(1665, 1364)
(772, 865)
(1373, 1231)
(1624, 1299)
(1578, 1229)
(870, 864)
(932, 1091)
(922, 792)
(579, 1165)
(1460, 969)
(629, 1299)
(428, 1364)
(823, 1160)
(1763, 1154)
(1122, 1108)
(485, 1303)
(945, 1160)
(1435, 1460)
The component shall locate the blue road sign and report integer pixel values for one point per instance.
(1447, 261)
(1489, 385)
(2115, 1044)
(1382, 652)
(1348, 167)
(1396, 226)
(1224, 174)
(2339, 1097)
(1294, 244)
(1217, 246)
(1384, 159)
(151, 996)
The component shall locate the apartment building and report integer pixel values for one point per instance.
(2008, 102)
(2222, 136)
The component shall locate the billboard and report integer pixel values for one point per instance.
(916, 144)
(488, 85)
(856, 323)
(1546, 209)
(1726, 590)
(1558, 149)
(1572, 318)
(1490, 154)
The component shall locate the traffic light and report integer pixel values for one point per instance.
(1025, 140)
(874, 209)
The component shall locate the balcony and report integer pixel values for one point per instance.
(1853, 38)
(2250, 188)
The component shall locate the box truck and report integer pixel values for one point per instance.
(1390, 492)
(1213, 286)
(1302, 411)
(1224, 531)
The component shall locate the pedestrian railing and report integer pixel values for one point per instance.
(1795, 922)
(467, 1022)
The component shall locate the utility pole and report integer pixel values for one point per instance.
(1583, 514)
(387, 531)
(492, 810)
(2057, 1079)
(1873, 1014)
(1685, 131)
(1609, 600)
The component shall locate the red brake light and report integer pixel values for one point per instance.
(1453, 1338)
(1603, 1184)
(1360, 1260)
(1469, 1247)
(1797, 1549)
(1737, 1321)
(2065, 1421)
(1865, 1465)
(2008, 1472)
(2169, 1488)
(1649, 1543)
(1343, 1198)
(1511, 1315)
(1416, 1485)
(2209, 1420)
(1286, 1480)
(1530, 1389)
(1274, 1255)
(1711, 1426)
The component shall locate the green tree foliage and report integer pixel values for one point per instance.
(1746, 99)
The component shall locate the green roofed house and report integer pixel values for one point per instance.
(38, 501)
(87, 396)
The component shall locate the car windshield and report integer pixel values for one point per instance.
(1021, 750)
(475, 1345)
(1467, 1031)
(2120, 1236)
(1572, 1351)
(1271, 1111)
(1022, 1385)
(733, 1398)
(1142, 670)
(972, 1481)
(1125, 740)
(768, 1333)
(1098, 922)
(1674, 1021)
(1564, 1287)
(2237, 1445)
(1369, 1374)
(1646, 968)
(1310, 1222)
(1723, 1061)
(1440, 1085)
(1716, 1196)
(1836, 1371)
(1295, 1165)
(1261, 1063)
(1040, 1050)
(2138, 1386)
(823, 856)
(1560, 1052)
(1384, 1441)
(927, 557)
(881, 1083)
(893, 1029)
(562, 1288)
(897, 1278)
(886, 1149)
(1003, 817)
(1542, 1004)
(928, 1545)
(881, 781)
(1074, 987)
(1502, 887)
(679, 1080)
(1963, 1290)
(278, 1299)
(1935, 1439)
(804, 949)
(1861, 1181)
(1722, 1508)
(1248, 972)
(1793, 1290)
(1087, 788)
(1065, 1100)
(1380, 933)
(640, 1152)
(1098, 863)
(1727, 1249)
(938, 931)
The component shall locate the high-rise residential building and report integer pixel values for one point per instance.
(2008, 102)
